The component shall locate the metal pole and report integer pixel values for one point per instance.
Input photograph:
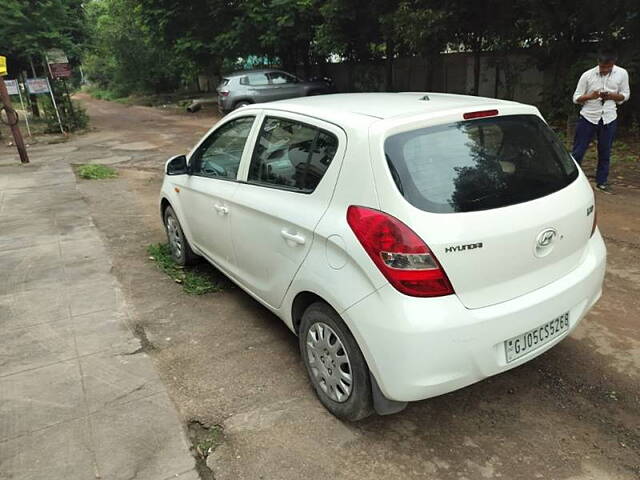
(26, 115)
(53, 99)
(15, 130)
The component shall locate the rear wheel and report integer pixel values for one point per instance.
(334, 363)
(242, 103)
(180, 249)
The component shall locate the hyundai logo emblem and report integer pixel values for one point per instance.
(544, 241)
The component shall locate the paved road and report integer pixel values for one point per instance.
(571, 414)
(79, 399)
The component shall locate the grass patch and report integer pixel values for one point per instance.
(193, 282)
(96, 172)
(209, 441)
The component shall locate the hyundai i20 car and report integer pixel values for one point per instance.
(415, 243)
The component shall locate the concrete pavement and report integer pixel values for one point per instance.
(78, 398)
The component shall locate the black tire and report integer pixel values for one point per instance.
(241, 103)
(184, 255)
(358, 404)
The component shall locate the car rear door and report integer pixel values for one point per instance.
(206, 195)
(290, 180)
(498, 200)
(284, 86)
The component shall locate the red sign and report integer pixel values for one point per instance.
(60, 70)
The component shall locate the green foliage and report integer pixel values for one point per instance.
(193, 282)
(123, 56)
(96, 172)
(73, 115)
(30, 27)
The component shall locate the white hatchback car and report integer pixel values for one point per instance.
(416, 243)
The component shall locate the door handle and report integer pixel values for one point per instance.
(293, 237)
(221, 209)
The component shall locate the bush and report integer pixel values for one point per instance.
(72, 119)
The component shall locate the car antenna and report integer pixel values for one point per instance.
(425, 98)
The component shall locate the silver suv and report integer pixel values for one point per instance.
(258, 86)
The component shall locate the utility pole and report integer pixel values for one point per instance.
(12, 121)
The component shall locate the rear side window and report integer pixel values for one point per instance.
(479, 164)
(254, 79)
(291, 155)
(278, 78)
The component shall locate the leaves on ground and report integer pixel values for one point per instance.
(193, 282)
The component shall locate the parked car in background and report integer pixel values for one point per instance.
(415, 243)
(257, 86)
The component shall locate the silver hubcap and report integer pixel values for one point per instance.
(175, 239)
(329, 362)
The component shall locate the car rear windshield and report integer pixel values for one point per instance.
(223, 83)
(479, 164)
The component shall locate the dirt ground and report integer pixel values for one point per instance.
(572, 413)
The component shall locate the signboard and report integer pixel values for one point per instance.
(12, 87)
(55, 55)
(37, 85)
(3, 65)
(60, 70)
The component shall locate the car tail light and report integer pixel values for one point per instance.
(595, 222)
(223, 93)
(480, 114)
(402, 257)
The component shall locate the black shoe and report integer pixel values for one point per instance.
(604, 188)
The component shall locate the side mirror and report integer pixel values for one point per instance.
(177, 165)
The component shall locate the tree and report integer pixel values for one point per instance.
(31, 27)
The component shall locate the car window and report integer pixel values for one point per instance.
(278, 78)
(479, 164)
(291, 155)
(254, 79)
(220, 154)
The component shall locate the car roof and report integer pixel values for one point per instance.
(381, 105)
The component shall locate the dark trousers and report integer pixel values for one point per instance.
(585, 131)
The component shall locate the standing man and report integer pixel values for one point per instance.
(600, 90)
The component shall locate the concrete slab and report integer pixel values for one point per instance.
(147, 427)
(62, 451)
(110, 160)
(113, 379)
(31, 275)
(82, 249)
(22, 255)
(92, 297)
(36, 346)
(32, 307)
(30, 401)
(136, 146)
(100, 331)
(92, 270)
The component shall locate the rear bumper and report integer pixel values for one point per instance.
(419, 348)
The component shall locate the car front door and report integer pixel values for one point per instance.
(288, 186)
(207, 193)
(285, 85)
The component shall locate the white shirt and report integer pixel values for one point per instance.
(617, 81)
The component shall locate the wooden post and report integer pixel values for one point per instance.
(13, 122)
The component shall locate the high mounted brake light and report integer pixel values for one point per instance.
(480, 114)
(400, 255)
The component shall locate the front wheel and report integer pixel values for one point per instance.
(334, 363)
(180, 249)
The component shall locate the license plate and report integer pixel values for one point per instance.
(524, 343)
